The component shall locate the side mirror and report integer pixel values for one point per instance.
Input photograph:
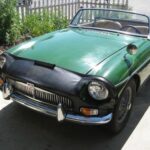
(132, 49)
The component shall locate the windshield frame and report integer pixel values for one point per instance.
(111, 30)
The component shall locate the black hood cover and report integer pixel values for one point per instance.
(42, 75)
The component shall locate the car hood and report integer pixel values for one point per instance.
(77, 50)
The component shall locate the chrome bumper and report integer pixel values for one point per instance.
(52, 111)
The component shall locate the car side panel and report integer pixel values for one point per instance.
(144, 57)
(119, 72)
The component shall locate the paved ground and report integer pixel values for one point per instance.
(23, 129)
(140, 138)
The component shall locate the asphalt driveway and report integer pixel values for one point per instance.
(23, 129)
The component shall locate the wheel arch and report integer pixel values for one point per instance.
(137, 79)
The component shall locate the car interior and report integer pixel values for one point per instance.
(130, 26)
(127, 26)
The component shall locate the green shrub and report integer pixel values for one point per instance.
(58, 22)
(10, 26)
(14, 30)
(36, 24)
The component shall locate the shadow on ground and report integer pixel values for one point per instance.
(23, 129)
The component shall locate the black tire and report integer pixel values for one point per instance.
(123, 108)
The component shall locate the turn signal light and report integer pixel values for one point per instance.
(89, 111)
(1, 82)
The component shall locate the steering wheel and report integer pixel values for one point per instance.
(130, 26)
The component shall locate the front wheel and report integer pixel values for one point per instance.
(123, 108)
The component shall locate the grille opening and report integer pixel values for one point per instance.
(39, 94)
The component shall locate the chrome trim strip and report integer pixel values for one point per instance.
(25, 85)
(52, 111)
(108, 30)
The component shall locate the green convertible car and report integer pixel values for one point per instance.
(88, 73)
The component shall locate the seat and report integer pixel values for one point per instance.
(108, 24)
(143, 29)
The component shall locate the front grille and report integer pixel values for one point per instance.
(40, 94)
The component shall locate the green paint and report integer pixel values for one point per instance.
(80, 50)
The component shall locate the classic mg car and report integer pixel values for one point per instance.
(88, 73)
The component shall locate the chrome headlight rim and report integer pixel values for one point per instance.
(2, 61)
(102, 85)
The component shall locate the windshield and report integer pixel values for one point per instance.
(115, 20)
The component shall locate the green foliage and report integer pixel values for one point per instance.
(9, 22)
(13, 29)
(37, 24)
(58, 22)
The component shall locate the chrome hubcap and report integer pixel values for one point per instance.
(125, 104)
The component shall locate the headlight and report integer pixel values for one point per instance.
(97, 90)
(2, 61)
